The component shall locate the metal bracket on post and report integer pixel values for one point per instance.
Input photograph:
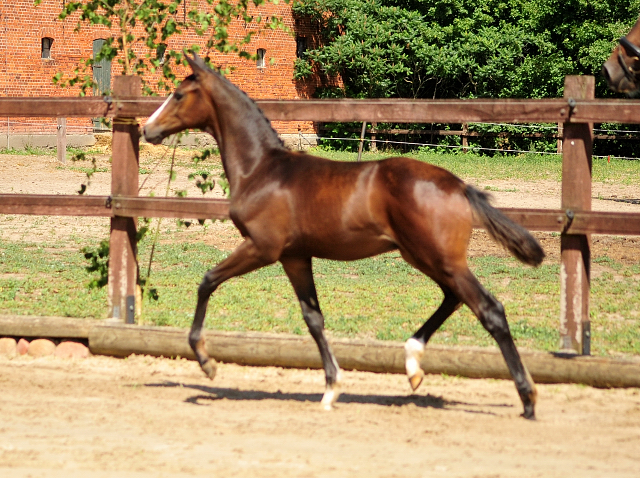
(570, 215)
(586, 337)
(131, 309)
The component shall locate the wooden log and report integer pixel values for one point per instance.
(294, 351)
(45, 326)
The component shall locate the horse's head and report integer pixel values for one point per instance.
(622, 69)
(187, 107)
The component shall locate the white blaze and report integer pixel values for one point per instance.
(157, 112)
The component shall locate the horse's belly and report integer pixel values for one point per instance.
(344, 249)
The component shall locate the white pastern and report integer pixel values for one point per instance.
(157, 112)
(330, 396)
(414, 349)
(332, 393)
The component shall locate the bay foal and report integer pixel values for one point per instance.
(291, 207)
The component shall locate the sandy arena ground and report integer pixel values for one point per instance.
(148, 417)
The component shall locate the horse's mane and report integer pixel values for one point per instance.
(227, 82)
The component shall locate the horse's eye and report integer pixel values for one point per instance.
(177, 96)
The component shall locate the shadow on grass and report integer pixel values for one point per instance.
(422, 401)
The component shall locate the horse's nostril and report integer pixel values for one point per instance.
(605, 73)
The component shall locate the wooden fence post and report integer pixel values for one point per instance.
(576, 195)
(560, 133)
(465, 137)
(372, 146)
(61, 143)
(123, 266)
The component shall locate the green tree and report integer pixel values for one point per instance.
(462, 48)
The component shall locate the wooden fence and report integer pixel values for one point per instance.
(577, 112)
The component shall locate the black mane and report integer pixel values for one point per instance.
(207, 68)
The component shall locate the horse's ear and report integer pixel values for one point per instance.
(196, 63)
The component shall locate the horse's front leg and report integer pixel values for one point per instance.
(301, 276)
(245, 258)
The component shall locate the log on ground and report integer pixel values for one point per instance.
(49, 327)
(294, 351)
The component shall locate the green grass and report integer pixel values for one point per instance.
(381, 297)
(28, 151)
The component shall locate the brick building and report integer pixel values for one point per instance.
(35, 45)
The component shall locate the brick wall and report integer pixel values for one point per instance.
(23, 72)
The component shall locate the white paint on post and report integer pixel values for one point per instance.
(157, 112)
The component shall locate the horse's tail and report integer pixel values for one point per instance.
(513, 236)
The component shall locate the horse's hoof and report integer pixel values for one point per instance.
(414, 349)
(416, 380)
(529, 413)
(209, 368)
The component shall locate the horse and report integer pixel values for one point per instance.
(622, 69)
(292, 206)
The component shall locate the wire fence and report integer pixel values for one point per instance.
(507, 138)
(80, 126)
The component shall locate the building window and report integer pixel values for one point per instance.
(160, 51)
(46, 47)
(301, 47)
(260, 54)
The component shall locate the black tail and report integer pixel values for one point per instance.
(513, 236)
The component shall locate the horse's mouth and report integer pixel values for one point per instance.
(153, 137)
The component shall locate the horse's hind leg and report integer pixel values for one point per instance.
(492, 316)
(414, 347)
(301, 276)
(241, 261)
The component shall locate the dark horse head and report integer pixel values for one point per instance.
(622, 69)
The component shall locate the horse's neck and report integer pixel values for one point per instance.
(245, 137)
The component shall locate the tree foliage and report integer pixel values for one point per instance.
(462, 48)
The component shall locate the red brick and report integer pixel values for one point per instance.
(24, 73)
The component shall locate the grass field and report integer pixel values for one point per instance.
(381, 297)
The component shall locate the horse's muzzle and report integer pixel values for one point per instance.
(152, 135)
(616, 78)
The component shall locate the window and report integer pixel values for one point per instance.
(260, 54)
(160, 51)
(46, 47)
(301, 47)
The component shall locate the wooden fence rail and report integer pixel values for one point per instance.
(574, 220)
(371, 110)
